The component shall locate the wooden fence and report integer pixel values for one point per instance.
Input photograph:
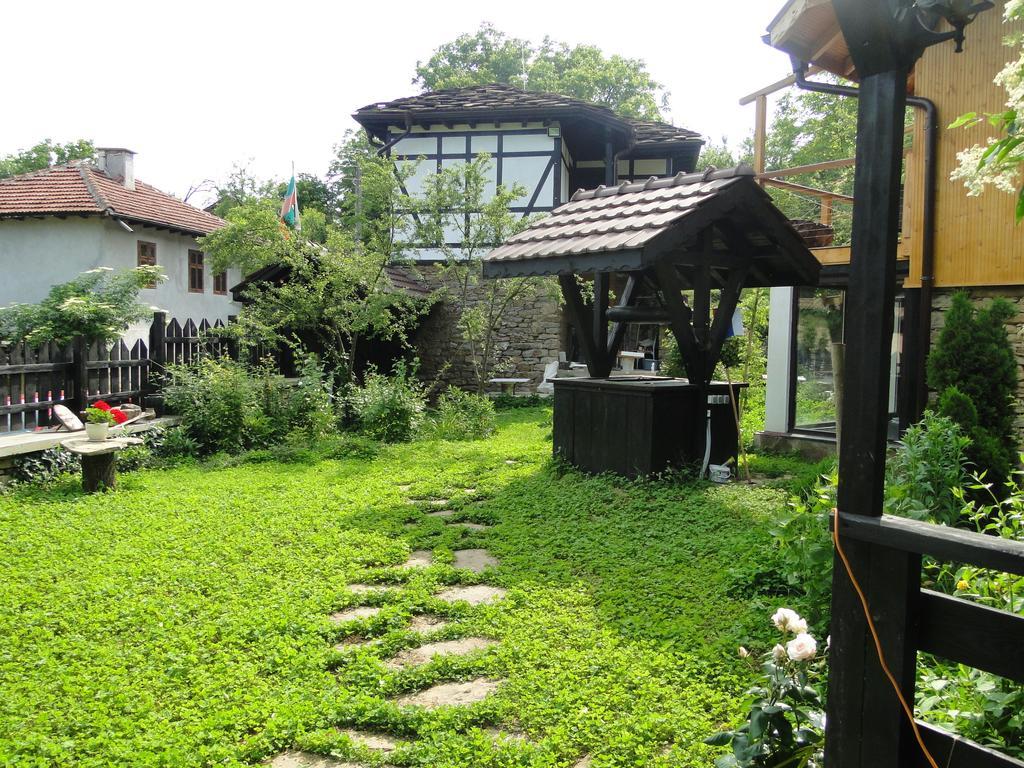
(33, 379)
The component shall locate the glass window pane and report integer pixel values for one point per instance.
(819, 323)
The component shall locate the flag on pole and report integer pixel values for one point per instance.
(290, 205)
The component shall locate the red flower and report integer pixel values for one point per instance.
(103, 406)
(120, 417)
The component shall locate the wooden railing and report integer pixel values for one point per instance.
(912, 620)
(34, 379)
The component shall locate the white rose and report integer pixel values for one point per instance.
(779, 654)
(802, 647)
(743, 652)
(788, 620)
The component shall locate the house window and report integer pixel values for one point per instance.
(146, 257)
(220, 283)
(195, 271)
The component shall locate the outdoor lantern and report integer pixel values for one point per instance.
(957, 13)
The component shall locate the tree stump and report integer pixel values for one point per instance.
(99, 472)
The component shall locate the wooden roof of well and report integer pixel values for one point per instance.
(81, 189)
(632, 226)
(498, 101)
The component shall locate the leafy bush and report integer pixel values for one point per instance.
(462, 416)
(505, 402)
(177, 443)
(924, 471)
(44, 466)
(786, 723)
(974, 361)
(388, 408)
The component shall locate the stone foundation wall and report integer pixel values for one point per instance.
(530, 337)
(941, 300)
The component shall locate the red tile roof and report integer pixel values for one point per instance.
(82, 189)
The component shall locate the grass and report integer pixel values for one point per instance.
(182, 621)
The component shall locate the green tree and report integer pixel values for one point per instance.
(43, 155)
(582, 71)
(458, 206)
(98, 305)
(337, 293)
(973, 368)
(714, 155)
(242, 187)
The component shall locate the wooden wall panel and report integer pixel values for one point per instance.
(977, 241)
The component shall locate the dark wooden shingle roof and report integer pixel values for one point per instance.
(630, 227)
(499, 101)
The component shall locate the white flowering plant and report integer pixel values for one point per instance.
(998, 162)
(786, 724)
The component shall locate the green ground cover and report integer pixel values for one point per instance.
(183, 620)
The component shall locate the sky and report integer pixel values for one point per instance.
(196, 87)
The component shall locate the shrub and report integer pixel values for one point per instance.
(388, 408)
(217, 402)
(44, 466)
(973, 356)
(924, 470)
(505, 402)
(463, 416)
(177, 443)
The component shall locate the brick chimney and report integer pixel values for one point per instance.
(118, 164)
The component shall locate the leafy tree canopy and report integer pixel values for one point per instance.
(44, 154)
(582, 71)
(98, 305)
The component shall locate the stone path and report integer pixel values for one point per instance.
(451, 694)
(414, 657)
(360, 612)
(470, 526)
(307, 760)
(379, 742)
(583, 763)
(362, 589)
(475, 560)
(427, 623)
(421, 558)
(478, 594)
(444, 513)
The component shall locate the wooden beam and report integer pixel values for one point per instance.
(680, 317)
(619, 328)
(778, 85)
(760, 133)
(796, 170)
(805, 190)
(578, 316)
(599, 316)
(730, 297)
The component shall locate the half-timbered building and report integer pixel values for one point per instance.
(550, 145)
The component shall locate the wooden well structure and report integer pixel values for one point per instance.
(707, 233)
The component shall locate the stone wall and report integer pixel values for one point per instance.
(531, 336)
(941, 300)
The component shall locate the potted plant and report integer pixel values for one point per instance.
(98, 419)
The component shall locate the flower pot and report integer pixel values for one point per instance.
(97, 433)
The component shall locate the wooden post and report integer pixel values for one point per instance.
(866, 726)
(578, 315)
(600, 324)
(157, 352)
(79, 378)
(760, 134)
(99, 472)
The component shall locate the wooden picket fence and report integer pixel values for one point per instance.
(34, 379)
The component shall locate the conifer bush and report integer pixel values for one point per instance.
(973, 368)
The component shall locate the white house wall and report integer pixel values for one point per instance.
(525, 156)
(39, 253)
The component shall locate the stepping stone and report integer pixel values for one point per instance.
(451, 694)
(583, 763)
(405, 487)
(478, 594)
(499, 735)
(362, 589)
(355, 641)
(427, 623)
(307, 760)
(376, 741)
(470, 526)
(421, 558)
(442, 513)
(414, 657)
(439, 502)
(361, 612)
(469, 491)
(475, 560)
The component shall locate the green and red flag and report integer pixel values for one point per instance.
(290, 206)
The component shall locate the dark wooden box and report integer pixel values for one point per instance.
(637, 426)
